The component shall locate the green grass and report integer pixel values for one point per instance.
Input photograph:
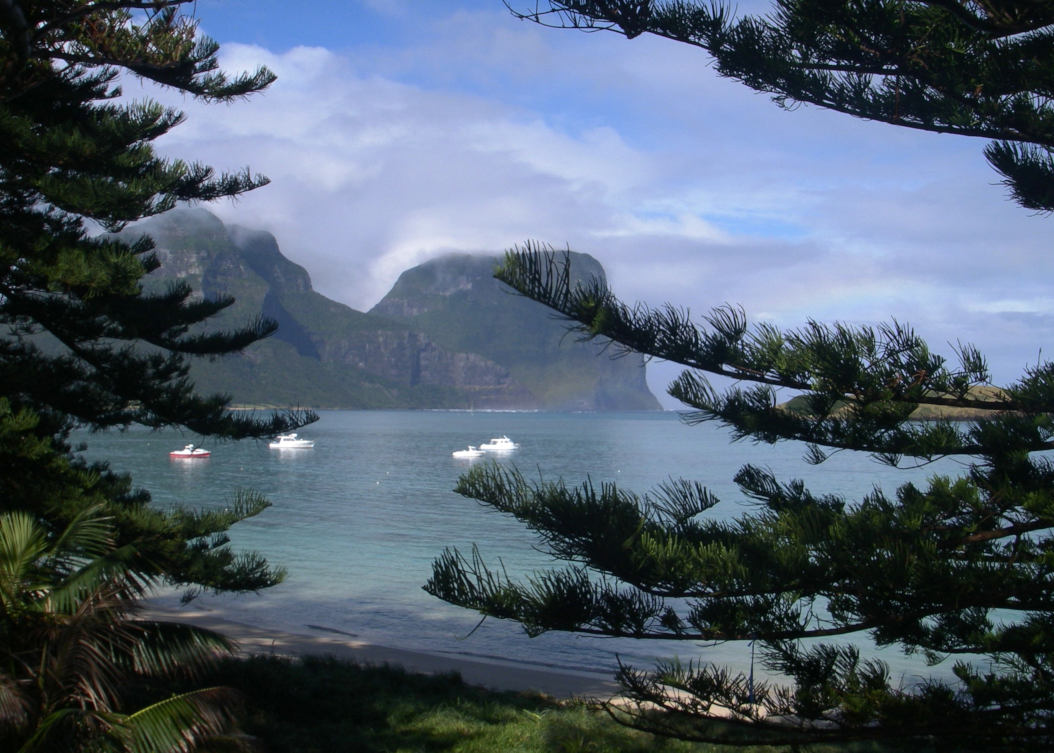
(324, 705)
(321, 705)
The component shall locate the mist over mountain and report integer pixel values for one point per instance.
(447, 335)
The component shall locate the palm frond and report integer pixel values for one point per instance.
(181, 723)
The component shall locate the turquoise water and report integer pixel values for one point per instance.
(358, 519)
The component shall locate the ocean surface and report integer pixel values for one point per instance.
(358, 519)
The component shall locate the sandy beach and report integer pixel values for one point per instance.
(497, 675)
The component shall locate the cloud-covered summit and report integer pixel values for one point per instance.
(461, 129)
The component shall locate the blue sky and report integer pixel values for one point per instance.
(399, 130)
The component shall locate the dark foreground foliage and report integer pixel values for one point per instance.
(85, 344)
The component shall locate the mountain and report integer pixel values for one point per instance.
(456, 302)
(446, 336)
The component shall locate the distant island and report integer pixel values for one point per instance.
(986, 393)
(446, 336)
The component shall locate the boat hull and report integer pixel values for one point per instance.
(291, 442)
(470, 453)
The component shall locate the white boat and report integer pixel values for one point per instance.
(498, 444)
(190, 451)
(291, 442)
(471, 452)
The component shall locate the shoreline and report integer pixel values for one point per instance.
(494, 674)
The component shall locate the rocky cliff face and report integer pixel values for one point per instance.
(456, 302)
(446, 336)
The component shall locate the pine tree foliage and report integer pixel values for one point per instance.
(956, 570)
(981, 68)
(949, 570)
(81, 343)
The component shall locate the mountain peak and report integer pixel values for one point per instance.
(447, 335)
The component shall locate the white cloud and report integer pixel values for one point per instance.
(482, 132)
(1044, 306)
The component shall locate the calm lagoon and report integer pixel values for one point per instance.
(358, 519)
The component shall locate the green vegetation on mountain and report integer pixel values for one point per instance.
(800, 406)
(440, 339)
(457, 303)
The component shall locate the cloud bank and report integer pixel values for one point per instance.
(482, 133)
